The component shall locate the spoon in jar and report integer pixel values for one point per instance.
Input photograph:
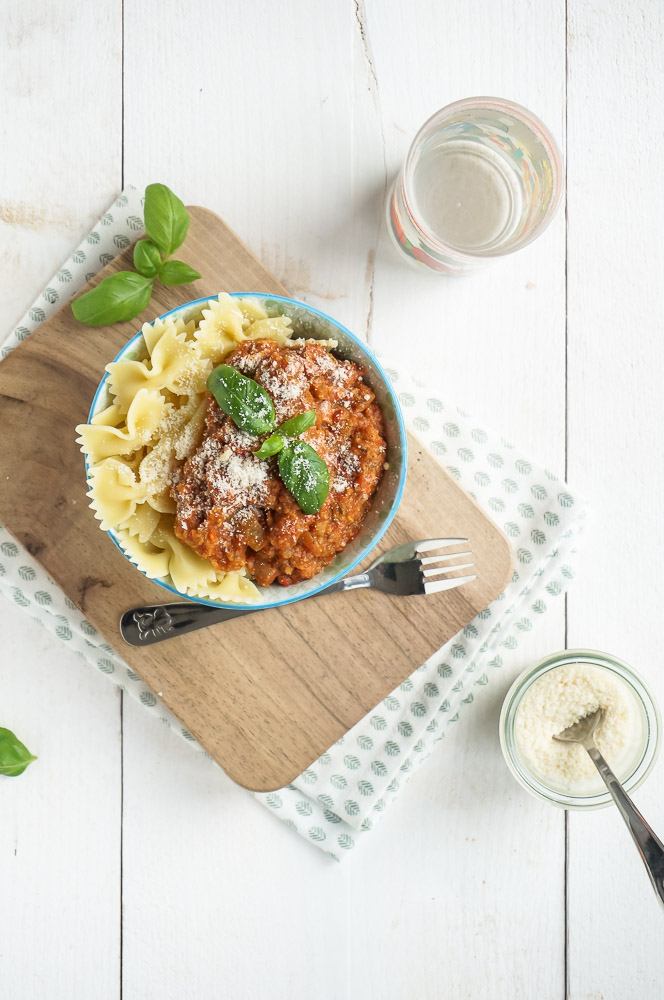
(648, 844)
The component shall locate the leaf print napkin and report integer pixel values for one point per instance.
(342, 794)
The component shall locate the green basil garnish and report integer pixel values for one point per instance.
(298, 425)
(14, 757)
(270, 446)
(302, 470)
(290, 428)
(124, 295)
(117, 298)
(176, 272)
(166, 218)
(244, 400)
(147, 259)
(305, 475)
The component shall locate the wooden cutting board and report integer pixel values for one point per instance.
(267, 694)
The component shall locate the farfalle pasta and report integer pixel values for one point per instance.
(140, 425)
(115, 492)
(175, 364)
(153, 421)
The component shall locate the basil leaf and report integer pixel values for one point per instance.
(290, 428)
(305, 474)
(166, 218)
(117, 298)
(176, 272)
(270, 446)
(243, 399)
(299, 424)
(14, 757)
(147, 259)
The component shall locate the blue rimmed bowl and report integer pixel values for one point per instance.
(307, 322)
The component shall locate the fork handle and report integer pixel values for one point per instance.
(648, 844)
(152, 623)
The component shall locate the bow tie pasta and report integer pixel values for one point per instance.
(227, 322)
(153, 420)
(102, 439)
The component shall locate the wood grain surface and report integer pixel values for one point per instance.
(267, 694)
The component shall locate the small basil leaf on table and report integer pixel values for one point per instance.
(305, 474)
(147, 259)
(176, 272)
(299, 424)
(166, 218)
(117, 298)
(270, 446)
(14, 757)
(244, 400)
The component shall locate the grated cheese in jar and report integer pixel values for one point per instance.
(558, 699)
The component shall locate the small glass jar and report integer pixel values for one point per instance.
(483, 178)
(648, 719)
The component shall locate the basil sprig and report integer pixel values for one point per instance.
(244, 400)
(147, 259)
(14, 757)
(166, 218)
(124, 295)
(305, 474)
(270, 446)
(289, 429)
(298, 425)
(301, 468)
(121, 297)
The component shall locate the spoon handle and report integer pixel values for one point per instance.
(648, 844)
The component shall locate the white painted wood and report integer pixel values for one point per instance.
(459, 892)
(495, 340)
(219, 897)
(616, 304)
(258, 129)
(62, 125)
(288, 119)
(60, 821)
(292, 155)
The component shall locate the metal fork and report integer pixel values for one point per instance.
(402, 571)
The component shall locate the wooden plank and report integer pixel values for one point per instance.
(261, 136)
(63, 161)
(239, 883)
(268, 114)
(60, 835)
(264, 695)
(282, 136)
(60, 832)
(616, 356)
(478, 910)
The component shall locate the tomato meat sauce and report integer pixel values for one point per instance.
(232, 507)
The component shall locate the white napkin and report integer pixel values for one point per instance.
(348, 788)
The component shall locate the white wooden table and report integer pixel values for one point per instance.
(129, 866)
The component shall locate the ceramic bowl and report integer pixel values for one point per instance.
(307, 322)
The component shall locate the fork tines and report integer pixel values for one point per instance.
(433, 566)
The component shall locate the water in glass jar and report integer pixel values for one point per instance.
(482, 178)
(467, 193)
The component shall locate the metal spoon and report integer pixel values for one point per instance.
(648, 844)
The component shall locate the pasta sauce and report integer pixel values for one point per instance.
(232, 507)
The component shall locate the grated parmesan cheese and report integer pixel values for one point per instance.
(558, 699)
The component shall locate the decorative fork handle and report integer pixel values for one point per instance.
(647, 842)
(153, 623)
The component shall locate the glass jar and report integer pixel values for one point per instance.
(483, 178)
(647, 719)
